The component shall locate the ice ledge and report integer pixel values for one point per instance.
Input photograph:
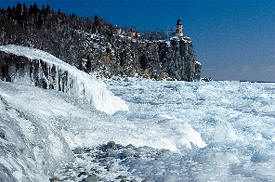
(77, 82)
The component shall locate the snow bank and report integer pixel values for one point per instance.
(79, 83)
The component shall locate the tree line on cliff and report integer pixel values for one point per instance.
(32, 18)
(94, 45)
(54, 31)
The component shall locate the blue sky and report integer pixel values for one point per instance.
(233, 39)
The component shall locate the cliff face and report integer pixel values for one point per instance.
(179, 60)
(97, 46)
(152, 59)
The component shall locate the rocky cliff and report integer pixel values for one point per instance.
(96, 46)
(127, 56)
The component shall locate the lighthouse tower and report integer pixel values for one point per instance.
(179, 31)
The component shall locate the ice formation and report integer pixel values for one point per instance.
(222, 131)
(47, 71)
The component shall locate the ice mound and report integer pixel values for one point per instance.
(74, 81)
(31, 148)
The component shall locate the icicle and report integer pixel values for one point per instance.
(66, 78)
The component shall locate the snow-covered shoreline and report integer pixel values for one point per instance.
(172, 130)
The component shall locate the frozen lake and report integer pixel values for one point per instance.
(216, 131)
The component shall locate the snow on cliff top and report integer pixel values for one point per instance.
(184, 39)
(92, 89)
(197, 62)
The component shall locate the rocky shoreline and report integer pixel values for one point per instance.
(107, 162)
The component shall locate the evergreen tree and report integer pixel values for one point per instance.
(48, 10)
(18, 10)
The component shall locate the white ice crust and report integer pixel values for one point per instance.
(93, 90)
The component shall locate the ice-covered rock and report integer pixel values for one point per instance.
(38, 68)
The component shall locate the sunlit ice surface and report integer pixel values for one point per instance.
(217, 131)
(225, 131)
